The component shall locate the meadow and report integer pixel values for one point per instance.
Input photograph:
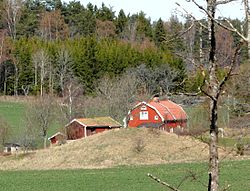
(186, 176)
(14, 112)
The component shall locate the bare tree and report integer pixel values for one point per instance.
(247, 12)
(155, 80)
(42, 114)
(11, 13)
(118, 94)
(212, 86)
(72, 94)
(41, 63)
(53, 26)
(64, 68)
(4, 131)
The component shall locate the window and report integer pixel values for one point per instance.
(156, 117)
(143, 108)
(144, 115)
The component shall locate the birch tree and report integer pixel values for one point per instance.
(41, 63)
(212, 87)
(11, 14)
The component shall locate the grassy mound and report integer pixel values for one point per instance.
(113, 148)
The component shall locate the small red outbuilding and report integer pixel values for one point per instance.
(57, 139)
(83, 127)
(163, 114)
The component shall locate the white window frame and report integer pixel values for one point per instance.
(131, 118)
(144, 115)
(156, 117)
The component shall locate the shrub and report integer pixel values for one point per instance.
(139, 145)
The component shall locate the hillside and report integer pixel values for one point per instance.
(112, 148)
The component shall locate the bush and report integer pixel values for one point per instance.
(139, 145)
(240, 148)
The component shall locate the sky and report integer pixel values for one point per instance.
(156, 9)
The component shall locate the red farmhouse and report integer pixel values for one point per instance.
(156, 113)
(84, 127)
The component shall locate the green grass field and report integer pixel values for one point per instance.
(235, 173)
(14, 114)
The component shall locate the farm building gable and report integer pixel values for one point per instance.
(57, 138)
(84, 127)
(157, 113)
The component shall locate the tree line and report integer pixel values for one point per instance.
(46, 43)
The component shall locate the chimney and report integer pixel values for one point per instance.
(156, 98)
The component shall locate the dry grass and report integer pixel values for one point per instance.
(113, 148)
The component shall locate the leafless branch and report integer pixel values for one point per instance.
(191, 16)
(178, 35)
(246, 6)
(228, 75)
(224, 2)
(200, 66)
(231, 28)
(162, 182)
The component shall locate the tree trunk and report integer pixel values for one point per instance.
(36, 77)
(45, 142)
(247, 12)
(213, 147)
(248, 34)
(5, 82)
(16, 81)
(201, 44)
(213, 91)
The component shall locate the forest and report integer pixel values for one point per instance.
(69, 50)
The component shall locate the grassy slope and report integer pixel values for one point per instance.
(14, 113)
(235, 173)
(113, 148)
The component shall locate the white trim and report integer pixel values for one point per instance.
(75, 120)
(58, 133)
(85, 131)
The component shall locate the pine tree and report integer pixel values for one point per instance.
(159, 33)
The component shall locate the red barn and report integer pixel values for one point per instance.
(84, 127)
(163, 114)
(57, 139)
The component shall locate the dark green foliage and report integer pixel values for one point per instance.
(159, 33)
(121, 22)
(80, 20)
(99, 43)
(23, 54)
(29, 21)
(105, 13)
(144, 28)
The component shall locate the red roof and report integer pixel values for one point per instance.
(169, 110)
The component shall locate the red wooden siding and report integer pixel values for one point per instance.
(53, 140)
(75, 131)
(162, 114)
(153, 118)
